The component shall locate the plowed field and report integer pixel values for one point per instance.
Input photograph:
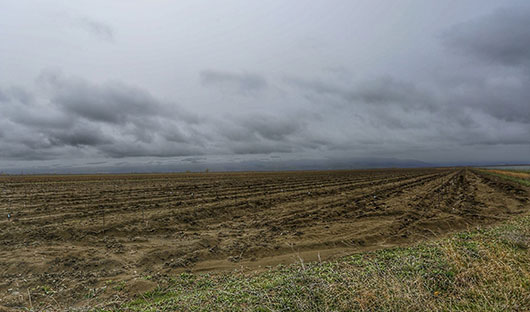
(68, 235)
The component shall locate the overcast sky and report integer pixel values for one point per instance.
(106, 82)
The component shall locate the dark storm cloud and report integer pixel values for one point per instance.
(389, 90)
(501, 42)
(380, 91)
(477, 110)
(480, 105)
(112, 102)
(241, 82)
(258, 127)
(194, 160)
(79, 136)
(34, 115)
(250, 148)
(262, 133)
(502, 37)
(97, 28)
(111, 119)
(503, 101)
(270, 127)
(158, 149)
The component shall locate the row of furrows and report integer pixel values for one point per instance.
(233, 190)
(424, 205)
(205, 180)
(417, 199)
(97, 198)
(24, 181)
(466, 204)
(190, 215)
(455, 197)
(48, 192)
(350, 208)
(116, 205)
(442, 193)
(355, 205)
(256, 204)
(220, 214)
(156, 199)
(144, 178)
(506, 187)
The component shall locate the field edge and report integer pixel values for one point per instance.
(482, 269)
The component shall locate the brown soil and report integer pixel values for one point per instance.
(77, 240)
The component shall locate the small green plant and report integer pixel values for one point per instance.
(92, 293)
(121, 286)
(47, 290)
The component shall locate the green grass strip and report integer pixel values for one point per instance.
(508, 177)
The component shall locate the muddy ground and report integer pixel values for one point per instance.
(82, 240)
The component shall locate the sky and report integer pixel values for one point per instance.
(105, 84)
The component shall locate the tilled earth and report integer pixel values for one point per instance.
(78, 240)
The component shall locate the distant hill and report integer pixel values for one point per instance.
(236, 165)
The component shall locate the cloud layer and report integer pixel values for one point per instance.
(73, 116)
(501, 37)
(468, 101)
(99, 29)
(243, 83)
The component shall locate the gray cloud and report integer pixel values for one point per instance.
(240, 82)
(261, 133)
(111, 119)
(379, 91)
(3, 97)
(319, 87)
(97, 28)
(475, 111)
(502, 101)
(111, 102)
(501, 37)
(249, 148)
(387, 90)
(273, 128)
(153, 149)
(78, 137)
(500, 41)
(194, 160)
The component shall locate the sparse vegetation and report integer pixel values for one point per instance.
(59, 253)
(517, 177)
(479, 270)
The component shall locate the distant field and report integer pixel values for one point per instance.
(514, 168)
(517, 176)
(78, 240)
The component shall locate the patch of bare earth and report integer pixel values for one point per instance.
(74, 240)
